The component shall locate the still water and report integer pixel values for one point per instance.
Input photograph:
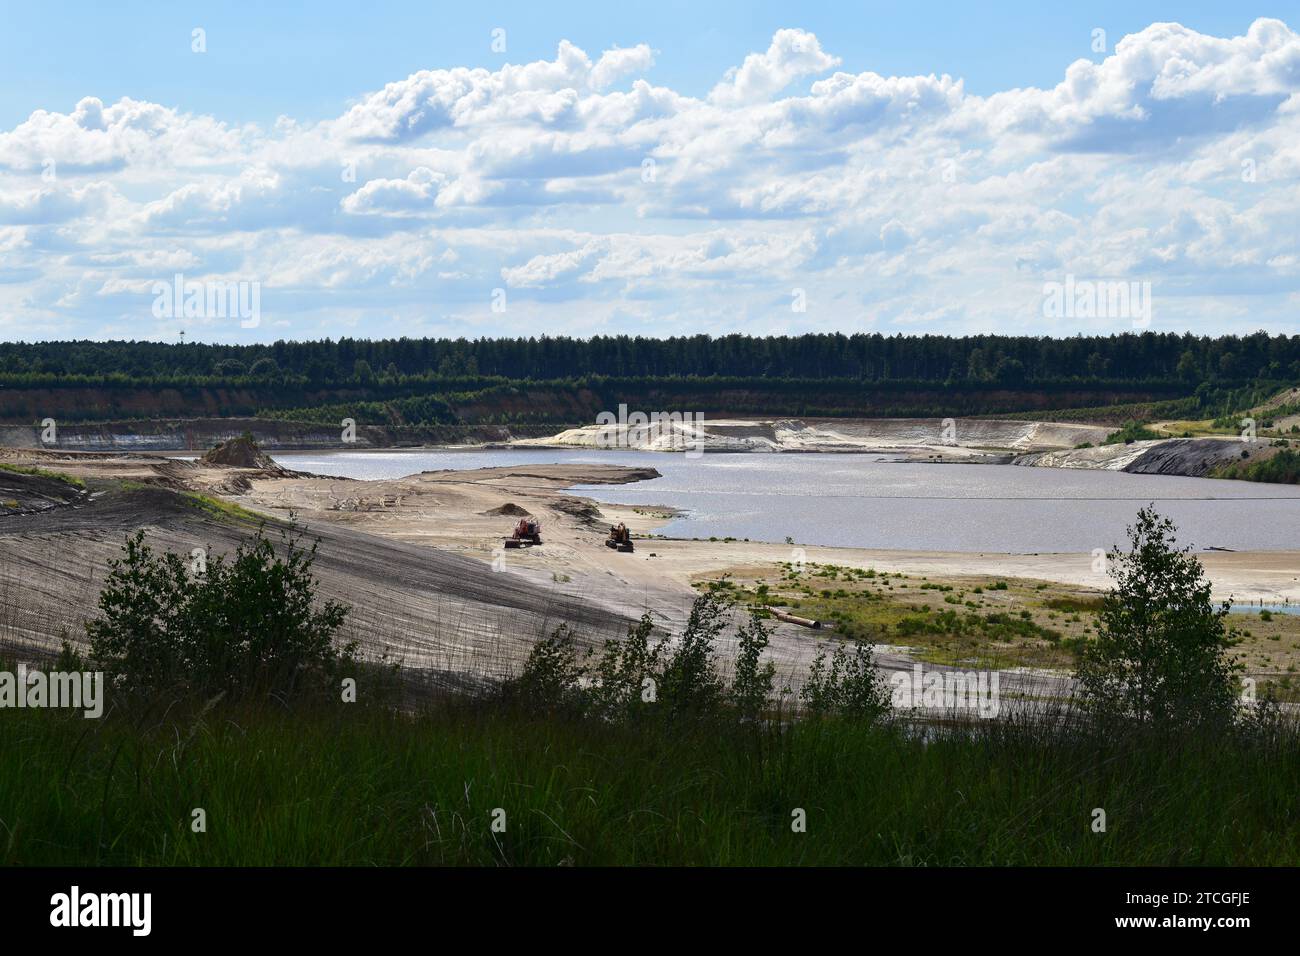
(867, 501)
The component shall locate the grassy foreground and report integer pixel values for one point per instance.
(348, 784)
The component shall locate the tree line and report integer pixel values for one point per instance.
(937, 359)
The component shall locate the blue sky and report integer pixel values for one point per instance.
(379, 169)
(308, 59)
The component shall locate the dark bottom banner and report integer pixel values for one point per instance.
(335, 905)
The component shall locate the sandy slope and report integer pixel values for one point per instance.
(448, 511)
(421, 558)
(1025, 443)
(915, 437)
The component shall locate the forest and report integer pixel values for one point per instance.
(868, 357)
(561, 379)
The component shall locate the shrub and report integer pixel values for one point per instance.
(751, 685)
(241, 625)
(690, 684)
(1161, 651)
(627, 674)
(632, 678)
(1131, 431)
(852, 686)
(1282, 468)
(550, 679)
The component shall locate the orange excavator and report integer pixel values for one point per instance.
(528, 532)
(620, 539)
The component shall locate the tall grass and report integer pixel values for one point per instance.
(353, 784)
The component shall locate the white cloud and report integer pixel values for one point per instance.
(545, 92)
(97, 138)
(893, 200)
(52, 203)
(416, 193)
(792, 54)
(617, 63)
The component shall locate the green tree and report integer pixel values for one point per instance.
(751, 683)
(550, 680)
(243, 624)
(852, 687)
(1161, 654)
(627, 674)
(690, 685)
(265, 367)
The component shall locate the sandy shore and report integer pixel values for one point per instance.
(458, 511)
(450, 510)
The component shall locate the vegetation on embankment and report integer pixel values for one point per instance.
(1210, 399)
(1131, 431)
(43, 473)
(985, 623)
(1283, 467)
(26, 490)
(434, 403)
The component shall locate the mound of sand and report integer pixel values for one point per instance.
(241, 452)
(580, 508)
(509, 508)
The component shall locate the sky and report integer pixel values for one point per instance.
(386, 169)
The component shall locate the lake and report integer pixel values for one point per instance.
(868, 501)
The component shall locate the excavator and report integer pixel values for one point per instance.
(527, 532)
(620, 539)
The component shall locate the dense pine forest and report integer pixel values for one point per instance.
(564, 380)
(873, 358)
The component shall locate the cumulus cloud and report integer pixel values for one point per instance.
(792, 54)
(1160, 87)
(545, 92)
(214, 202)
(540, 270)
(51, 204)
(617, 63)
(416, 193)
(94, 137)
(889, 200)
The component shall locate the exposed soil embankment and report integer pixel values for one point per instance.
(1189, 457)
(430, 608)
(200, 434)
(449, 607)
(22, 493)
(915, 437)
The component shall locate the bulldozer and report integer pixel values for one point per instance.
(620, 539)
(527, 533)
